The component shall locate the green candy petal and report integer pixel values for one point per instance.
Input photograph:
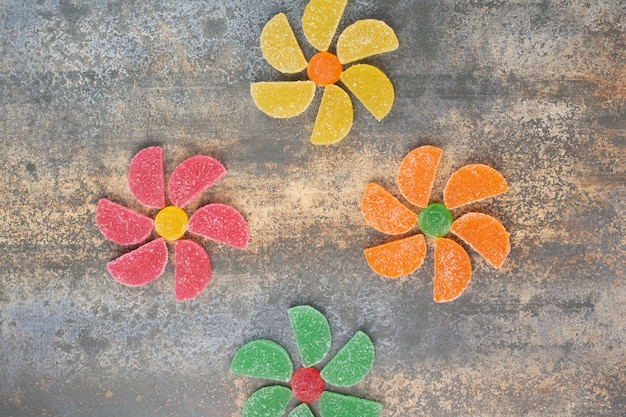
(312, 334)
(268, 402)
(351, 363)
(263, 359)
(337, 405)
(302, 410)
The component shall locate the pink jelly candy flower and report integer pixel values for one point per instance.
(146, 181)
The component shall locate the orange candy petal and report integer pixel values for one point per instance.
(485, 235)
(398, 258)
(385, 213)
(453, 270)
(472, 183)
(417, 174)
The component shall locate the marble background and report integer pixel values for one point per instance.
(536, 89)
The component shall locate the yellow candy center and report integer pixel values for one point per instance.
(171, 223)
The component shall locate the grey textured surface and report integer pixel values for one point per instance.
(536, 89)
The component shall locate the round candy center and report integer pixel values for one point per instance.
(324, 68)
(171, 223)
(307, 385)
(435, 220)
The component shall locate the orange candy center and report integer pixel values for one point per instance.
(324, 69)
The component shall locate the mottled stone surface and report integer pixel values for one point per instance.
(534, 88)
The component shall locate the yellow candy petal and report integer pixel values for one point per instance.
(280, 47)
(320, 21)
(372, 87)
(283, 99)
(365, 38)
(334, 118)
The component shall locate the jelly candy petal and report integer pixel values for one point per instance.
(280, 47)
(192, 269)
(320, 21)
(122, 225)
(365, 38)
(453, 270)
(303, 410)
(192, 177)
(269, 401)
(141, 266)
(221, 223)
(283, 99)
(338, 405)
(472, 183)
(417, 174)
(146, 179)
(263, 359)
(351, 363)
(485, 235)
(312, 333)
(372, 87)
(386, 213)
(398, 258)
(334, 118)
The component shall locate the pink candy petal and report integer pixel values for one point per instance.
(141, 266)
(146, 179)
(192, 269)
(221, 223)
(121, 225)
(192, 177)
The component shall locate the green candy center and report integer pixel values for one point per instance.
(435, 220)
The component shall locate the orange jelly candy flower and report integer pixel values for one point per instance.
(483, 233)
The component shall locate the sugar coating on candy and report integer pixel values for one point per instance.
(221, 223)
(141, 266)
(192, 269)
(485, 235)
(280, 47)
(263, 359)
(192, 177)
(334, 117)
(435, 220)
(338, 405)
(353, 361)
(372, 87)
(320, 21)
(307, 385)
(283, 99)
(365, 38)
(312, 334)
(121, 225)
(417, 174)
(171, 223)
(473, 183)
(384, 212)
(269, 401)
(303, 410)
(453, 270)
(398, 258)
(146, 179)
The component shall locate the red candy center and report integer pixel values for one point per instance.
(307, 385)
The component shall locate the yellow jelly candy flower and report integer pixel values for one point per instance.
(362, 39)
